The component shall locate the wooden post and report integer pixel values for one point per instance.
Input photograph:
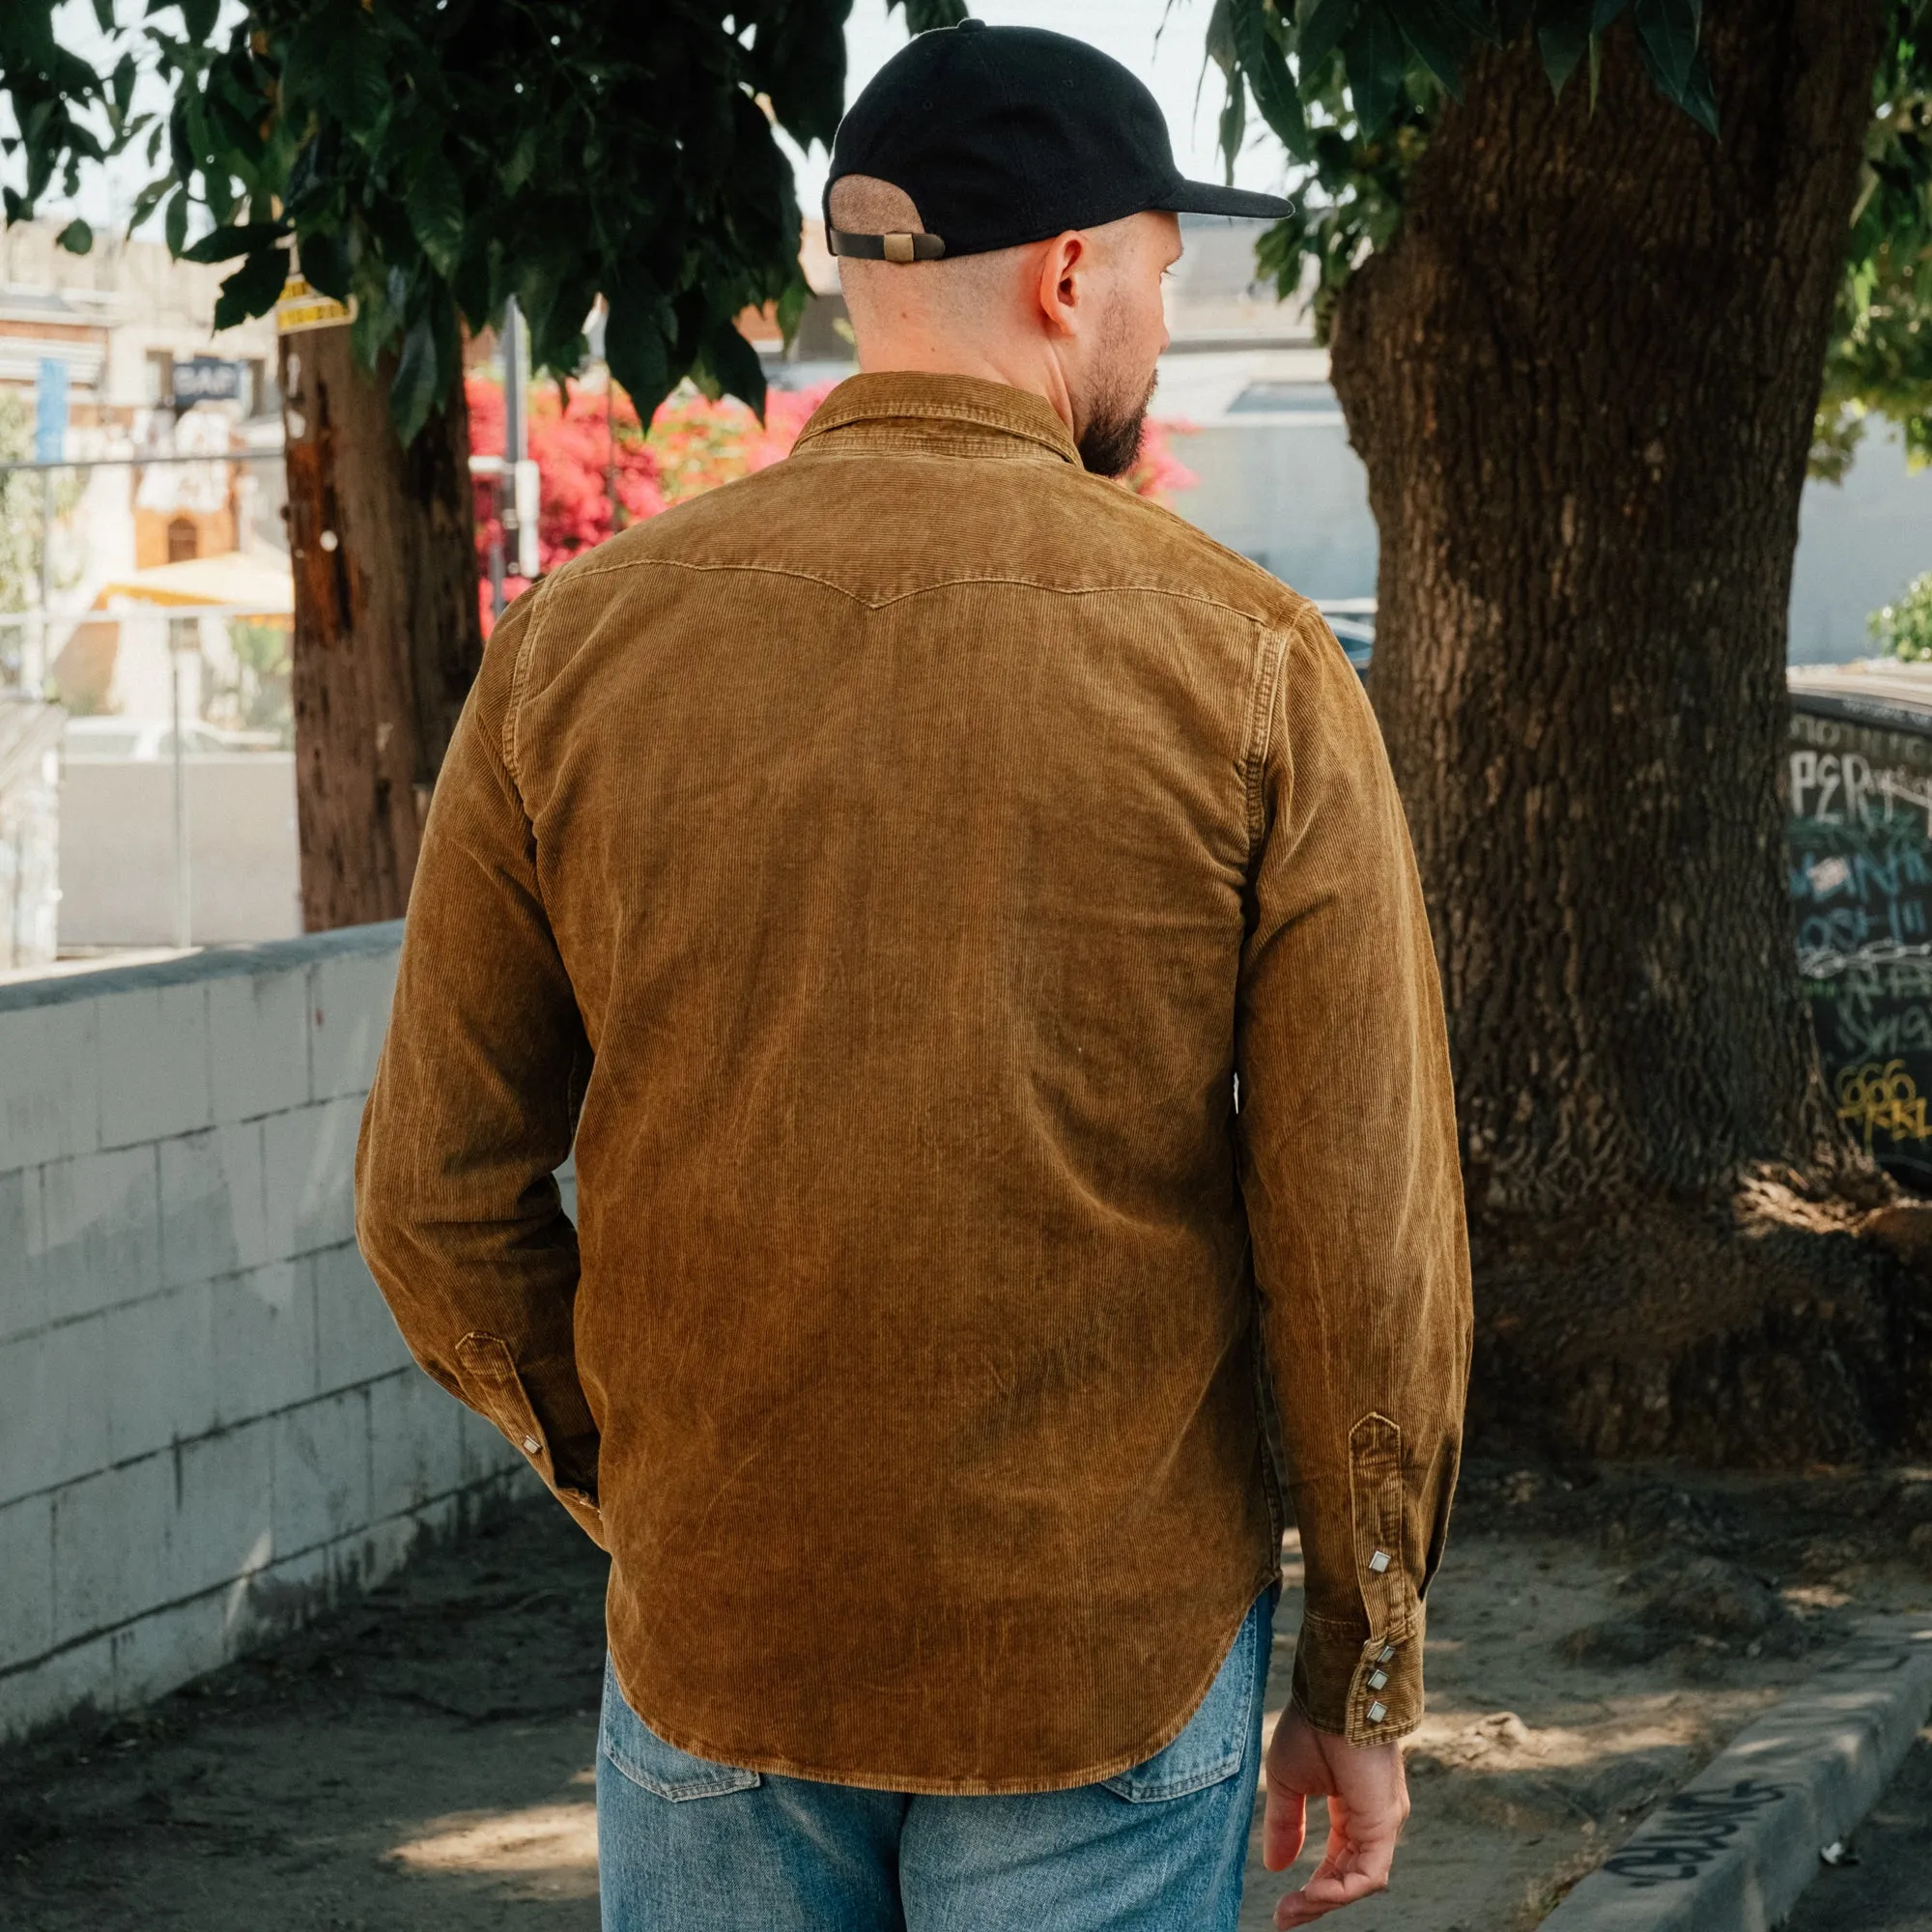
(388, 630)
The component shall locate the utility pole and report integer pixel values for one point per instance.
(183, 918)
(49, 447)
(520, 490)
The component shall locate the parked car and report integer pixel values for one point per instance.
(149, 738)
(1353, 619)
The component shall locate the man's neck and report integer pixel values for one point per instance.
(1034, 369)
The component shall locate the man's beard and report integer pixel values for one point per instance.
(1111, 441)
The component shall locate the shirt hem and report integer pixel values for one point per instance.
(928, 1785)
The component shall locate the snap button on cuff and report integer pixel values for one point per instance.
(1377, 1679)
(1379, 1561)
(1388, 1650)
(1377, 1713)
(531, 1444)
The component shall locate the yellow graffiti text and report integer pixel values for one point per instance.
(1882, 1099)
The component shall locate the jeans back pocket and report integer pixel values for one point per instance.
(1215, 1741)
(659, 1767)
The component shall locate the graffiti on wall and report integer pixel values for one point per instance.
(1860, 795)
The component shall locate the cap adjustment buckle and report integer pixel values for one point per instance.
(893, 248)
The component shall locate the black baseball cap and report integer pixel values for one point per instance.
(1006, 135)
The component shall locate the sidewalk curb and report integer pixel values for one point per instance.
(1732, 1850)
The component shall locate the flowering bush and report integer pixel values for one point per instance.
(1904, 630)
(699, 445)
(579, 463)
(588, 452)
(1158, 475)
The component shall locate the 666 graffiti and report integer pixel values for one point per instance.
(1691, 1831)
(1882, 1098)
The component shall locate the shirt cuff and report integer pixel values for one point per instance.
(1369, 1690)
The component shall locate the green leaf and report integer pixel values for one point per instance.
(147, 201)
(201, 141)
(1562, 37)
(522, 162)
(174, 221)
(1268, 74)
(252, 288)
(1324, 22)
(1233, 123)
(1700, 98)
(413, 393)
(308, 179)
(30, 28)
(1221, 49)
(436, 212)
(1697, 96)
(76, 238)
(735, 365)
(792, 308)
(324, 264)
(635, 339)
(1373, 54)
(1605, 11)
(376, 325)
(1668, 30)
(338, 58)
(1440, 41)
(103, 16)
(1279, 253)
(223, 244)
(198, 17)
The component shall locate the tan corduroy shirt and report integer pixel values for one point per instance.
(964, 921)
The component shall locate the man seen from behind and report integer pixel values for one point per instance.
(962, 919)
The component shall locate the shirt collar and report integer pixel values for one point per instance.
(907, 395)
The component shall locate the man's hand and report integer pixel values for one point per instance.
(1368, 1801)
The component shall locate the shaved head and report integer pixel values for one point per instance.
(1076, 318)
(958, 288)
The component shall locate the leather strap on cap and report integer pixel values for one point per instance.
(898, 247)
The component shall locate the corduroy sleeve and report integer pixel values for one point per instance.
(1351, 1183)
(474, 1105)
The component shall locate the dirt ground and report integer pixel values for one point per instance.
(422, 1760)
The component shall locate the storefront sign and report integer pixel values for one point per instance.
(206, 378)
(302, 307)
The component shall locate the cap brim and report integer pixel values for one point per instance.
(1210, 198)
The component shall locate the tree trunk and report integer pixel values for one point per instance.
(388, 632)
(1582, 378)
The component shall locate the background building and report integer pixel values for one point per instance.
(161, 592)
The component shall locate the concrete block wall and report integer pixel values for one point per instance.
(209, 1426)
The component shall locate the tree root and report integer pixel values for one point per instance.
(1787, 1326)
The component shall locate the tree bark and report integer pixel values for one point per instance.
(1582, 379)
(388, 628)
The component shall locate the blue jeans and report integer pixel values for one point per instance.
(685, 1845)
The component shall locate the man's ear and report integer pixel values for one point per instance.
(1063, 265)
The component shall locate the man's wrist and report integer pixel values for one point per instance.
(1368, 1690)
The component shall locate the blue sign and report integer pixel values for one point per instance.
(50, 412)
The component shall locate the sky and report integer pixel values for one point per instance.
(1160, 39)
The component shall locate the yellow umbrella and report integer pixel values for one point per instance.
(245, 585)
